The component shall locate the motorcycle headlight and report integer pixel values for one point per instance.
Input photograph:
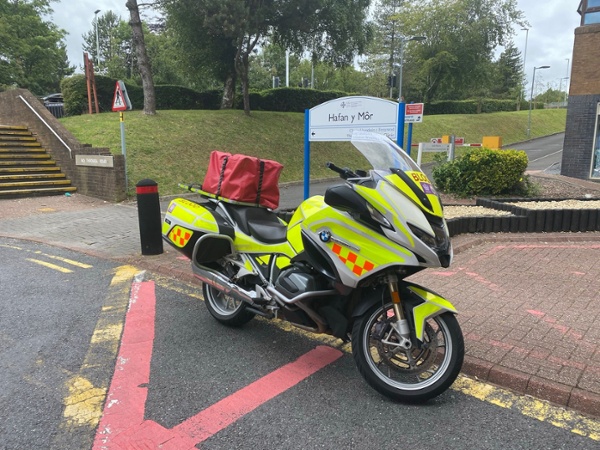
(428, 239)
(440, 242)
(378, 217)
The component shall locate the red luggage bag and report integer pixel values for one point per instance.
(243, 178)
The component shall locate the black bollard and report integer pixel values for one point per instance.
(149, 217)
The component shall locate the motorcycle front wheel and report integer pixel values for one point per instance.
(225, 308)
(411, 376)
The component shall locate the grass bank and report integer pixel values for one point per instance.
(173, 146)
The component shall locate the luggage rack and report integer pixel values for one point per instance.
(197, 189)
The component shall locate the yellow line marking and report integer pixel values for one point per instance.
(11, 246)
(191, 290)
(87, 389)
(83, 405)
(49, 265)
(530, 407)
(57, 258)
(66, 260)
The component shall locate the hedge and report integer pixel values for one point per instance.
(283, 99)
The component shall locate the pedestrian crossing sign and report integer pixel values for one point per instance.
(121, 99)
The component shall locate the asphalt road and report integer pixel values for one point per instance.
(544, 153)
(50, 301)
(59, 336)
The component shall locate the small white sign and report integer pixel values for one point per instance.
(432, 147)
(94, 160)
(335, 120)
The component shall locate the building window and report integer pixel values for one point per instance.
(589, 11)
(596, 153)
(591, 17)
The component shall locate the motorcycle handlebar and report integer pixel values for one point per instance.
(345, 173)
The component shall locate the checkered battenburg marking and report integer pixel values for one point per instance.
(354, 262)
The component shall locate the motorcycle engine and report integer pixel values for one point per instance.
(295, 281)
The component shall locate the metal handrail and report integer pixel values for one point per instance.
(49, 127)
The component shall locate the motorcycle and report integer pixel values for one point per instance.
(338, 267)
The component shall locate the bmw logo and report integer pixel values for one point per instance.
(325, 236)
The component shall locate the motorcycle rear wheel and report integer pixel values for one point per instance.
(225, 308)
(410, 376)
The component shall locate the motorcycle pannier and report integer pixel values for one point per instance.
(243, 178)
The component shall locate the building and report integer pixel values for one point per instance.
(581, 150)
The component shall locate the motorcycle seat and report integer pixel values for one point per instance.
(260, 223)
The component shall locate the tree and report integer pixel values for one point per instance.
(335, 31)
(142, 58)
(462, 36)
(385, 48)
(509, 74)
(32, 51)
(206, 59)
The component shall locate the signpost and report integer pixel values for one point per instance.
(432, 147)
(337, 119)
(120, 104)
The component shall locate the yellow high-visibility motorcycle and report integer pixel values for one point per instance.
(338, 267)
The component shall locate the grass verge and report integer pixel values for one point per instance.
(174, 146)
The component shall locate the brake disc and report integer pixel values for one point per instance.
(413, 361)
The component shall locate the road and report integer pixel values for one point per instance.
(182, 379)
(543, 153)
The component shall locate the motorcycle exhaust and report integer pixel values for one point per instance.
(221, 283)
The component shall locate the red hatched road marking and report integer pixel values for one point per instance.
(122, 425)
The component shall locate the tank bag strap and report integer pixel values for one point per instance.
(261, 172)
(222, 175)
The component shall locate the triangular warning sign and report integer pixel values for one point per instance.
(119, 103)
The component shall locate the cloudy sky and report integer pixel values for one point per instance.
(549, 40)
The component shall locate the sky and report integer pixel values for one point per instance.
(549, 40)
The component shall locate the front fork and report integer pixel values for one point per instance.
(401, 324)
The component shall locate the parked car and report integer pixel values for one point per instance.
(53, 99)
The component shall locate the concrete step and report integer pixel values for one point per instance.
(12, 128)
(28, 170)
(33, 184)
(16, 138)
(17, 149)
(33, 192)
(27, 163)
(31, 177)
(16, 143)
(16, 133)
(23, 156)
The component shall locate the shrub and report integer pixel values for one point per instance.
(481, 171)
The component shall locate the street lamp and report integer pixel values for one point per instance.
(531, 97)
(404, 39)
(97, 39)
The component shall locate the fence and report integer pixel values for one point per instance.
(57, 109)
